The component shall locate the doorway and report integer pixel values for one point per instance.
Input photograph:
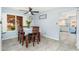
(68, 31)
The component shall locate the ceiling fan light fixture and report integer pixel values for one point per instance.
(29, 13)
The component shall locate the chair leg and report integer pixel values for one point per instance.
(22, 40)
(18, 38)
(39, 37)
(34, 42)
(26, 41)
(30, 39)
(37, 41)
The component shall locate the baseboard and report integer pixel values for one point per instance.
(50, 37)
(77, 46)
(10, 37)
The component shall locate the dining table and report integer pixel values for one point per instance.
(27, 31)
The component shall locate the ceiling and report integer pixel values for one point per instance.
(41, 9)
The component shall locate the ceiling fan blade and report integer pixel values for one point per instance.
(26, 13)
(24, 10)
(30, 9)
(35, 11)
(21, 10)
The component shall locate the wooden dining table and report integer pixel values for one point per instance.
(32, 34)
(27, 30)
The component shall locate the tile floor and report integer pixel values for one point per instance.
(46, 44)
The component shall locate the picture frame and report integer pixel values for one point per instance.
(43, 16)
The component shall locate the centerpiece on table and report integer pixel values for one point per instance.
(28, 23)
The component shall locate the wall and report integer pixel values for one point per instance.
(5, 11)
(0, 28)
(78, 29)
(48, 27)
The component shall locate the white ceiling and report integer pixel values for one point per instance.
(41, 9)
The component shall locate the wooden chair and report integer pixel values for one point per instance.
(34, 36)
(21, 34)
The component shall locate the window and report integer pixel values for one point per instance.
(10, 22)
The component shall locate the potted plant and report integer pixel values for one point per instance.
(28, 23)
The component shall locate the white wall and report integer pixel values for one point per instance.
(36, 20)
(78, 29)
(0, 28)
(10, 34)
(48, 26)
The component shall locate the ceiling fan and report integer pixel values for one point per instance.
(30, 11)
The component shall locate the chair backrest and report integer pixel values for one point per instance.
(35, 29)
